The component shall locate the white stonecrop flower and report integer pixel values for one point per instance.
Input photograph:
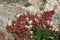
(30, 21)
(31, 36)
(36, 19)
(31, 32)
(48, 22)
(27, 18)
(22, 22)
(52, 29)
(18, 15)
(27, 26)
(30, 26)
(51, 23)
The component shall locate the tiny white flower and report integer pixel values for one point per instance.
(18, 15)
(36, 19)
(27, 18)
(22, 22)
(30, 26)
(49, 28)
(51, 23)
(48, 22)
(53, 29)
(27, 26)
(30, 21)
(14, 24)
(31, 32)
(31, 36)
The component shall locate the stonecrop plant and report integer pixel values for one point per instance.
(30, 27)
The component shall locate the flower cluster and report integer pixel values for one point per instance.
(46, 16)
(21, 27)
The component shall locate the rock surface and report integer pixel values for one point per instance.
(9, 11)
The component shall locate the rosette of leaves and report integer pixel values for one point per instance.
(42, 34)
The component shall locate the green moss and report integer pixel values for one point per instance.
(42, 34)
(42, 8)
